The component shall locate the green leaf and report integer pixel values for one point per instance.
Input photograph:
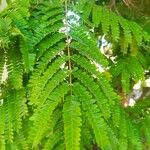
(72, 123)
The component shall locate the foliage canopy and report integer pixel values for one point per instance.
(54, 96)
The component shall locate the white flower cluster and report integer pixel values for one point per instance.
(137, 92)
(106, 48)
(71, 19)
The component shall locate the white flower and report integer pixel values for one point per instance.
(68, 41)
(64, 30)
(131, 102)
(137, 85)
(99, 67)
(92, 30)
(147, 82)
(105, 46)
(73, 18)
(63, 66)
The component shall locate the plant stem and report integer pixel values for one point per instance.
(68, 44)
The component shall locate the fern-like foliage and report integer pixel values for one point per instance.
(128, 68)
(55, 97)
(126, 36)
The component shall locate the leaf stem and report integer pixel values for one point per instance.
(68, 44)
